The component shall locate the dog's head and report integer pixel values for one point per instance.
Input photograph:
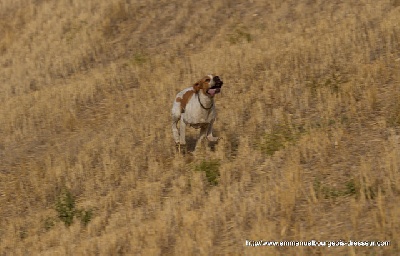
(209, 85)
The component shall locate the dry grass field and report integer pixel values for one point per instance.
(309, 115)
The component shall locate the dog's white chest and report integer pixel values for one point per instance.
(195, 115)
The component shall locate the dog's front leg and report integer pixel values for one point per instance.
(210, 136)
(182, 140)
(203, 133)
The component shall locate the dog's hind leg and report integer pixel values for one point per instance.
(175, 131)
(182, 133)
(176, 116)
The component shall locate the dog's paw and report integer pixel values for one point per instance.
(177, 147)
(214, 139)
(181, 148)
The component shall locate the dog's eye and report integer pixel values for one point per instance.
(208, 80)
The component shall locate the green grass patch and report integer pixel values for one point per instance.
(240, 35)
(139, 58)
(278, 138)
(67, 211)
(48, 223)
(65, 207)
(85, 216)
(333, 79)
(351, 187)
(330, 192)
(211, 170)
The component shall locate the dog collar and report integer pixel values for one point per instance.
(198, 97)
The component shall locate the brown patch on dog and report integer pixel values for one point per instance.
(185, 99)
(197, 86)
(202, 84)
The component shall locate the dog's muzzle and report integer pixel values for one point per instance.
(216, 88)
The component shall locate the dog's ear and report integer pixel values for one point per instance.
(197, 86)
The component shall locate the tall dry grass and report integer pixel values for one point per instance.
(309, 114)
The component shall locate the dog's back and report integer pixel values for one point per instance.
(180, 102)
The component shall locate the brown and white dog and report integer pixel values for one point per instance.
(195, 106)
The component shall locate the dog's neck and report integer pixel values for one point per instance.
(205, 101)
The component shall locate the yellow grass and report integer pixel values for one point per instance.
(309, 113)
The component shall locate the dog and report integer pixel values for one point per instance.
(194, 106)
